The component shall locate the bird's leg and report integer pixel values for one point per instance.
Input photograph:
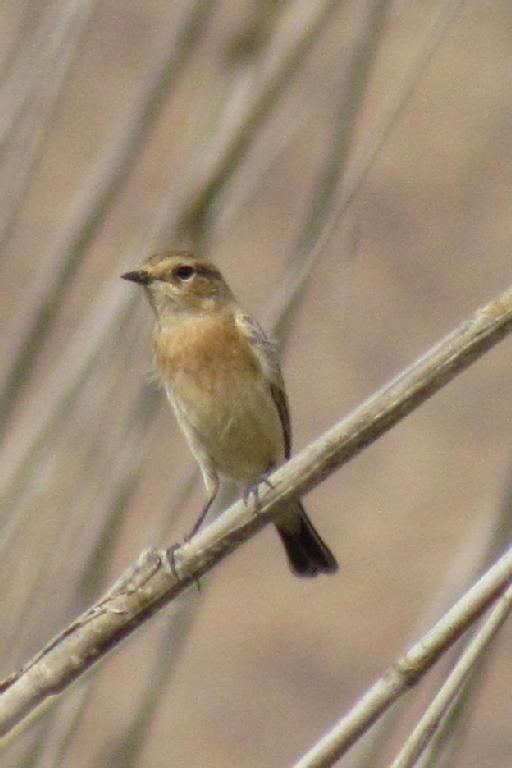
(212, 486)
(201, 518)
(254, 488)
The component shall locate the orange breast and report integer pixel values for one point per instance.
(208, 350)
(223, 400)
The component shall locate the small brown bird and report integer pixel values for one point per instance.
(223, 379)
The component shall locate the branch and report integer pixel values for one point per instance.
(413, 665)
(450, 689)
(150, 584)
(448, 737)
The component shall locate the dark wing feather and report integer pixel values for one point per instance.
(281, 402)
(266, 353)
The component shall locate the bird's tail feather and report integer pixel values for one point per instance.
(308, 554)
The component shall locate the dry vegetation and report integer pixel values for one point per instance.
(348, 166)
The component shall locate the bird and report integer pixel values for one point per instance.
(222, 376)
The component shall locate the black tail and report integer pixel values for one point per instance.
(308, 554)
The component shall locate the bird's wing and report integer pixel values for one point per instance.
(266, 354)
(281, 402)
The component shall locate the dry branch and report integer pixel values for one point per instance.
(407, 670)
(419, 738)
(449, 736)
(150, 584)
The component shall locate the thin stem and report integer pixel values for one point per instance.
(90, 209)
(432, 717)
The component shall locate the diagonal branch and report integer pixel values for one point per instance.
(428, 724)
(150, 584)
(411, 667)
(448, 737)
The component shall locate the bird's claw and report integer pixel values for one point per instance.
(173, 564)
(171, 558)
(254, 490)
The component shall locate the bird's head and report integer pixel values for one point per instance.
(179, 283)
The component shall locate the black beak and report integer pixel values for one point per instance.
(138, 276)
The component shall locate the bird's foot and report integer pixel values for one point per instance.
(171, 558)
(254, 489)
(199, 520)
(173, 563)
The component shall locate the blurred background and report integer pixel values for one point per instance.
(348, 165)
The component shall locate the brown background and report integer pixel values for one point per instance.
(272, 661)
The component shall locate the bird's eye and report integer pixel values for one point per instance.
(184, 273)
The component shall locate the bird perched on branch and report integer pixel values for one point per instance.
(223, 379)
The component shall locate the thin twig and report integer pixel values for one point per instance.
(60, 729)
(353, 180)
(472, 560)
(432, 717)
(30, 67)
(151, 583)
(126, 753)
(297, 29)
(328, 199)
(28, 137)
(408, 669)
(28, 19)
(90, 209)
(500, 539)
